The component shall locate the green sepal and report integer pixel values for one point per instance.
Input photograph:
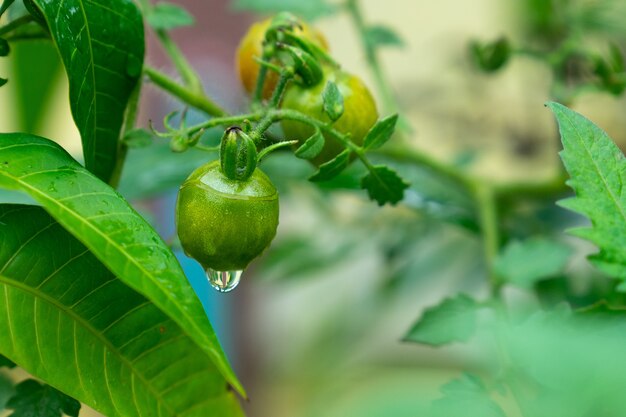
(333, 101)
(311, 47)
(312, 146)
(238, 156)
(285, 20)
(305, 65)
(332, 168)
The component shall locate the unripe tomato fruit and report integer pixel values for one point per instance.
(251, 46)
(222, 223)
(359, 114)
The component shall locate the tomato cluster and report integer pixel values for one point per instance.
(251, 48)
(227, 210)
(360, 111)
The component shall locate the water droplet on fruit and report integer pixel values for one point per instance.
(223, 281)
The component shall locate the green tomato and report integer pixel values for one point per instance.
(359, 114)
(222, 223)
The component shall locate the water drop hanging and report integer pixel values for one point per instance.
(223, 281)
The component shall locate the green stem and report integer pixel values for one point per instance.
(14, 24)
(129, 124)
(389, 102)
(264, 123)
(539, 190)
(488, 216)
(275, 146)
(190, 77)
(260, 81)
(39, 36)
(189, 96)
(296, 116)
(508, 191)
(408, 154)
(285, 76)
(325, 128)
(210, 149)
(224, 121)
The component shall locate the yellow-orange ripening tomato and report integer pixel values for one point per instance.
(359, 114)
(251, 46)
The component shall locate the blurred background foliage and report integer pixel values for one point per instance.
(317, 327)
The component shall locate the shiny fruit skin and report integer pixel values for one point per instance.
(225, 224)
(359, 114)
(251, 46)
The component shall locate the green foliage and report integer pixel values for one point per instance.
(138, 138)
(141, 180)
(452, 320)
(384, 185)
(312, 146)
(333, 101)
(380, 133)
(7, 389)
(33, 399)
(152, 352)
(378, 35)
(4, 47)
(597, 174)
(102, 65)
(525, 263)
(463, 397)
(110, 228)
(332, 168)
(490, 57)
(167, 16)
(58, 322)
(570, 358)
(610, 71)
(4, 361)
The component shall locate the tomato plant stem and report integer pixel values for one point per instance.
(225, 121)
(389, 102)
(532, 190)
(190, 77)
(189, 96)
(285, 76)
(274, 147)
(129, 123)
(486, 207)
(14, 24)
(260, 81)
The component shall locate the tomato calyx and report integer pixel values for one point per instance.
(238, 155)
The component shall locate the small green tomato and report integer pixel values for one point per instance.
(225, 223)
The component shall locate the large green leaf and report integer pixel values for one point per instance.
(69, 321)
(102, 220)
(102, 47)
(597, 170)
